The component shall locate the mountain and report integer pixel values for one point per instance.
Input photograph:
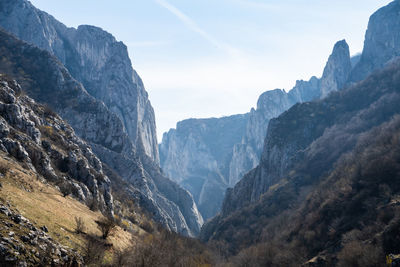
(326, 188)
(280, 159)
(207, 174)
(45, 79)
(39, 138)
(382, 41)
(197, 155)
(311, 146)
(94, 58)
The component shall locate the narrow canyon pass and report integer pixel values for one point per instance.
(309, 177)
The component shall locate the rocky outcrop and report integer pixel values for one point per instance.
(39, 138)
(312, 156)
(186, 155)
(94, 58)
(197, 155)
(47, 81)
(337, 70)
(24, 244)
(382, 41)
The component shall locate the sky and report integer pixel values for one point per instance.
(213, 58)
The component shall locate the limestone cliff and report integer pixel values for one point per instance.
(45, 79)
(94, 58)
(186, 154)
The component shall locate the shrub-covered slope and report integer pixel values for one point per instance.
(306, 148)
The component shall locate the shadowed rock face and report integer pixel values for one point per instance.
(312, 156)
(382, 41)
(187, 153)
(197, 155)
(46, 80)
(94, 58)
(337, 70)
(294, 131)
(48, 145)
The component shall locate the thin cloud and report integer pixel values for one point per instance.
(254, 4)
(148, 43)
(192, 25)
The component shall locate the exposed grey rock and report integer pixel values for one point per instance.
(381, 47)
(123, 125)
(197, 155)
(25, 120)
(14, 252)
(382, 41)
(96, 59)
(337, 70)
(170, 204)
(187, 153)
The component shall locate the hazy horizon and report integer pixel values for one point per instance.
(206, 58)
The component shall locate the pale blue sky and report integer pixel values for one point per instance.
(209, 58)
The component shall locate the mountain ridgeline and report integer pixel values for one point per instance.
(326, 189)
(86, 76)
(207, 174)
(310, 177)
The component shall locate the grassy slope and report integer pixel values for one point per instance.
(43, 204)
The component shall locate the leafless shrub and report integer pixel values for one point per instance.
(358, 254)
(93, 252)
(93, 204)
(80, 225)
(65, 189)
(106, 226)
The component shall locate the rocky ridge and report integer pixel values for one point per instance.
(197, 155)
(47, 81)
(278, 155)
(243, 154)
(36, 136)
(24, 244)
(326, 151)
(94, 58)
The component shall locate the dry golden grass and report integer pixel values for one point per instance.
(43, 204)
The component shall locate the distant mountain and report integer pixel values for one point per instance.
(324, 171)
(239, 143)
(197, 154)
(328, 174)
(382, 41)
(103, 66)
(281, 159)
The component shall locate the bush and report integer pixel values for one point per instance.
(147, 226)
(106, 226)
(357, 254)
(80, 225)
(4, 168)
(93, 204)
(66, 189)
(93, 252)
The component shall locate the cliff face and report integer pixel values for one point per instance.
(380, 48)
(382, 41)
(186, 154)
(337, 70)
(299, 139)
(94, 58)
(197, 155)
(39, 138)
(47, 81)
(322, 176)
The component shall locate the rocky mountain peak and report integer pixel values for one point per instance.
(337, 69)
(382, 41)
(96, 59)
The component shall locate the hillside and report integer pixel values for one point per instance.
(47, 81)
(318, 178)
